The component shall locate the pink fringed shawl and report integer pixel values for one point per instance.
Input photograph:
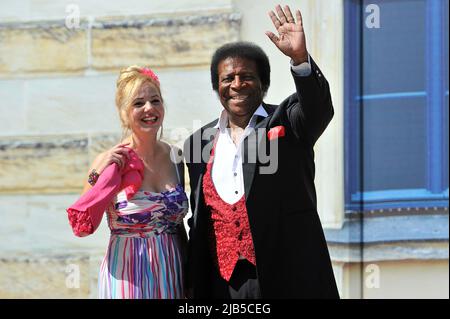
(86, 213)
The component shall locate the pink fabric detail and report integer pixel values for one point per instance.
(148, 72)
(80, 222)
(86, 213)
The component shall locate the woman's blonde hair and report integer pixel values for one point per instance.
(127, 86)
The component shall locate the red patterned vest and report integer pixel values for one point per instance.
(232, 236)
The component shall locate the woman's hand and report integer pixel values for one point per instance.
(118, 154)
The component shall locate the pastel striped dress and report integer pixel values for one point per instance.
(144, 258)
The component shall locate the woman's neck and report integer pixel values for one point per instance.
(146, 147)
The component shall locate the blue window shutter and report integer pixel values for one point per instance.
(396, 105)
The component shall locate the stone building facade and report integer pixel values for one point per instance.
(58, 65)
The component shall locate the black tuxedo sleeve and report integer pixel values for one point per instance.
(310, 109)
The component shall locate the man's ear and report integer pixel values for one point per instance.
(263, 93)
(264, 89)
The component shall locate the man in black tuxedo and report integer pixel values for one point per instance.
(255, 231)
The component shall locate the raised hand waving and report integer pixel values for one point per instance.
(291, 38)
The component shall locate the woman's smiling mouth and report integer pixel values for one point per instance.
(150, 119)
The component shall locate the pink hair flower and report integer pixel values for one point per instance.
(148, 72)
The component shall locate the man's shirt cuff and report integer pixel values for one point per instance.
(303, 69)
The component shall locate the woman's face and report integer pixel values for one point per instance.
(146, 113)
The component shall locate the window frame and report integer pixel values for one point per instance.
(434, 194)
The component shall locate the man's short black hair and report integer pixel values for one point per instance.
(245, 50)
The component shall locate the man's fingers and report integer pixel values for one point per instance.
(289, 16)
(274, 19)
(280, 12)
(273, 37)
(284, 16)
(299, 17)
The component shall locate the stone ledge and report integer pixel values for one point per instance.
(389, 252)
(424, 226)
(43, 24)
(42, 47)
(161, 42)
(43, 164)
(166, 20)
(51, 164)
(112, 43)
(49, 276)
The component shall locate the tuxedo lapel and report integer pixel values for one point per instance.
(249, 159)
(250, 149)
(207, 145)
(206, 141)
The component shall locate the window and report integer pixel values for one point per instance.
(396, 105)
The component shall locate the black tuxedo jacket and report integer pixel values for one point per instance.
(291, 252)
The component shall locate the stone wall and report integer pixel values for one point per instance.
(57, 112)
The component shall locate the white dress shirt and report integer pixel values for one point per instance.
(227, 166)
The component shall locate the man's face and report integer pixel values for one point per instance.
(240, 89)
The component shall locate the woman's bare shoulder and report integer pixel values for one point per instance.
(171, 148)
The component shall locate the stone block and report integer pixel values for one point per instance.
(43, 164)
(48, 276)
(42, 47)
(12, 107)
(161, 42)
(71, 105)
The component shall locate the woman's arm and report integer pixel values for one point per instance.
(117, 154)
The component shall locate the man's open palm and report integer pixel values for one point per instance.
(291, 38)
